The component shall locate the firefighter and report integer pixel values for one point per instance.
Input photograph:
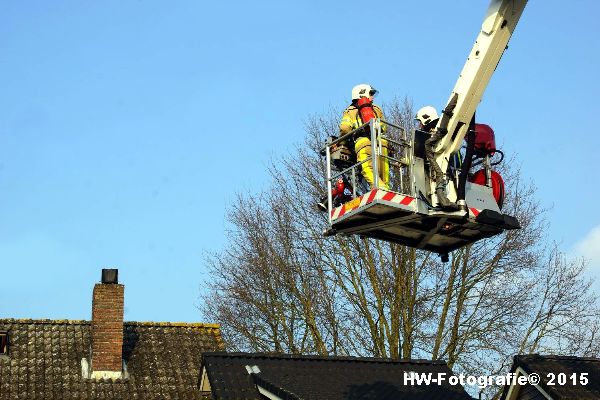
(428, 120)
(351, 120)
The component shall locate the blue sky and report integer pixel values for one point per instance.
(127, 127)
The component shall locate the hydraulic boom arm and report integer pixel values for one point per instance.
(500, 21)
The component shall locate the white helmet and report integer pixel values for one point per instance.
(363, 90)
(426, 115)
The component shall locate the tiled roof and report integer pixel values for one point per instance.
(545, 365)
(45, 360)
(311, 377)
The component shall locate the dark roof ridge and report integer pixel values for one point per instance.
(130, 323)
(323, 358)
(550, 357)
(175, 324)
(44, 321)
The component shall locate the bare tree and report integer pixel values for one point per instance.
(280, 286)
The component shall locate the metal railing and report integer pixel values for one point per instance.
(399, 158)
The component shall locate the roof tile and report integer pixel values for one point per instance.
(314, 377)
(162, 359)
(568, 365)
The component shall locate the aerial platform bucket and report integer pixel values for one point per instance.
(394, 217)
(404, 215)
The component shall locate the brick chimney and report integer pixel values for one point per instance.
(107, 326)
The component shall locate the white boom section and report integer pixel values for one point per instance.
(500, 21)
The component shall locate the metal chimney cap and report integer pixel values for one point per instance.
(110, 275)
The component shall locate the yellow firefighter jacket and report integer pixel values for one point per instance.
(362, 145)
(351, 119)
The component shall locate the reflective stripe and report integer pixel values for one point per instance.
(363, 142)
(396, 199)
